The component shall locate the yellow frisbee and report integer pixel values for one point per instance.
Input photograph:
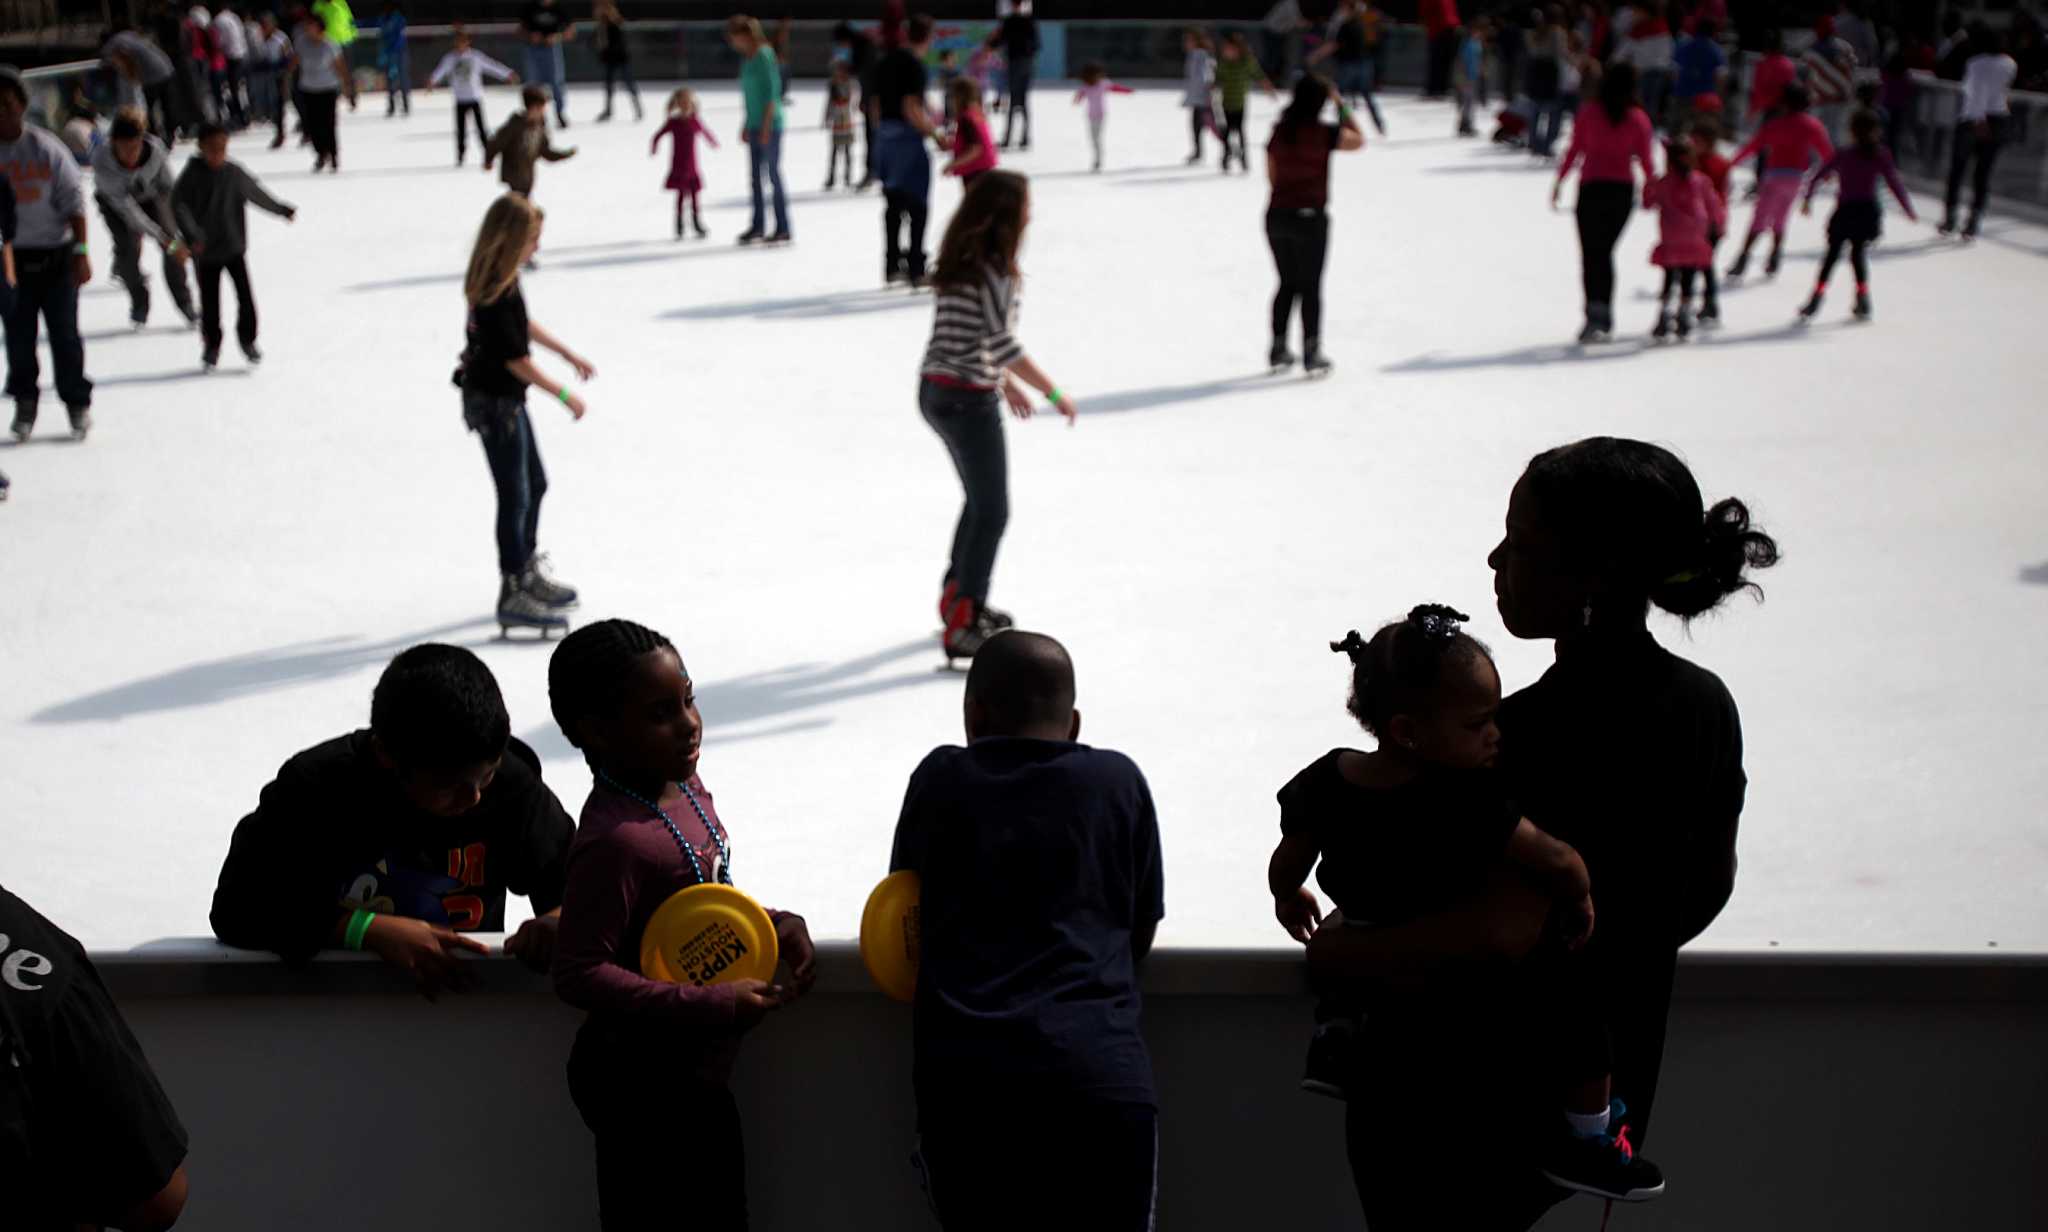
(708, 934)
(891, 935)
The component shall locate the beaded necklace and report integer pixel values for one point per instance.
(689, 852)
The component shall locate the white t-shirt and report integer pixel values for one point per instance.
(464, 71)
(1987, 85)
(229, 33)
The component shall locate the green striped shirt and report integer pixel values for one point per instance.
(1235, 78)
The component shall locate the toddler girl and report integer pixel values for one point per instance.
(1096, 87)
(651, 1056)
(1689, 215)
(682, 129)
(1419, 827)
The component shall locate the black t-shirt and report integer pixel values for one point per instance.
(898, 75)
(333, 832)
(1392, 854)
(1351, 46)
(1038, 859)
(1019, 35)
(544, 19)
(497, 336)
(86, 1131)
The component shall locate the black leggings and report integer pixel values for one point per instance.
(1679, 280)
(1233, 139)
(1198, 123)
(316, 108)
(1966, 146)
(897, 209)
(1603, 211)
(1859, 261)
(1300, 240)
(209, 303)
(469, 111)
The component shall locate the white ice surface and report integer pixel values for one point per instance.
(213, 582)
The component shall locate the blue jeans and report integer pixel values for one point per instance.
(514, 458)
(43, 289)
(970, 422)
(544, 68)
(264, 105)
(397, 64)
(1545, 125)
(1355, 80)
(765, 159)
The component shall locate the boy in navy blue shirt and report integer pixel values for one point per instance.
(1039, 859)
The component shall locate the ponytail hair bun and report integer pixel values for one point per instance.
(1398, 668)
(1729, 548)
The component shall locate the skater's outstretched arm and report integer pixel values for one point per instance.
(1890, 171)
(255, 194)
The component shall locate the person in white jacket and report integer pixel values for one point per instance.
(464, 69)
(232, 37)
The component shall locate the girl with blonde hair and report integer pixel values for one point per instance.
(497, 366)
(682, 129)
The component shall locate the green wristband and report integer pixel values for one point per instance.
(562, 395)
(358, 925)
(82, 248)
(1054, 396)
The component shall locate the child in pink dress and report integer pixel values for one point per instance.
(1791, 142)
(682, 129)
(974, 152)
(1689, 213)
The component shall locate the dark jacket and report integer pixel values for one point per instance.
(518, 146)
(209, 206)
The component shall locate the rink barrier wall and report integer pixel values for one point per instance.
(1800, 1091)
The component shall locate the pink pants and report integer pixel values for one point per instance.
(1774, 203)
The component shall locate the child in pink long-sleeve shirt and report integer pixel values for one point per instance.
(1689, 214)
(1791, 142)
(652, 1055)
(1096, 87)
(1858, 218)
(974, 152)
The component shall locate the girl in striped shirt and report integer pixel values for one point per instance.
(971, 357)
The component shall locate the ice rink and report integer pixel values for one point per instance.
(213, 581)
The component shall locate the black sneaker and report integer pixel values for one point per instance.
(1329, 1064)
(1605, 1165)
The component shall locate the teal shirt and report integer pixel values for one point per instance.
(761, 85)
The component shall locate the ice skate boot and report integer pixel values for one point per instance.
(3, 485)
(1313, 362)
(1812, 308)
(81, 421)
(24, 423)
(968, 628)
(540, 582)
(1279, 358)
(1663, 329)
(209, 360)
(1970, 227)
(1771, 264)
(697, 224)
(520, 610)
(1684, 324)
(253, 355)
(1862, 309)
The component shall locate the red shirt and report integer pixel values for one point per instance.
(1301, 166)
(1790, 142)
(1716, 169)
(1606, 147)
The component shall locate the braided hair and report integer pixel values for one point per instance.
(1399, 667)
(591, 665)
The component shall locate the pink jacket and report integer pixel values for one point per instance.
(1687, 209)
(972, 124)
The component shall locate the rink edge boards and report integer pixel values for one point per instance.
(201, 967)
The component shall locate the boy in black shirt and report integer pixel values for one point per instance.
(1039, 859)
(87, 1135)
(400, 838)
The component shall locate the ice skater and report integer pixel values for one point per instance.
(1791, 142)
(323, 76)
(973, 150)
(682, 129)
(51, 262)
(464, 68)
(133, 185)
(394, 60)
(839, 122)
(1981, 128)
(1689, 213)
(1237, 71)
(497, 366)
(1096, 87)
(1611, 135)
(210, 196)
(521, 144)
(1297, 217)
(1858, 218)
(972, 365)
(614, 50)
(1708, 161)
(901, 160)
(1198, 82)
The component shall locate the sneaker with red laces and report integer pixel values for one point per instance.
(1603, 1164)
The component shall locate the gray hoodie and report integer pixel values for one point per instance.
(48, 190)
(140, 197)
(210, 211)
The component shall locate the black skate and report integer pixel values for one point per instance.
(1736, 270)
(519, 610)
(962, 640)
(1279, 358)
(4, 484)
(780, 237)
(541, 583)
(748, 236)
(81, 421)
(1605, 1166)
(1771, 264)
(697, 224)
(1710, 317)
(1862, 309)
(1812, 308)
(23, 425)
(254, 356)
(1684, 324)
(210, 360)
(1663, 329)
(1970, 227)
(1313, 362)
